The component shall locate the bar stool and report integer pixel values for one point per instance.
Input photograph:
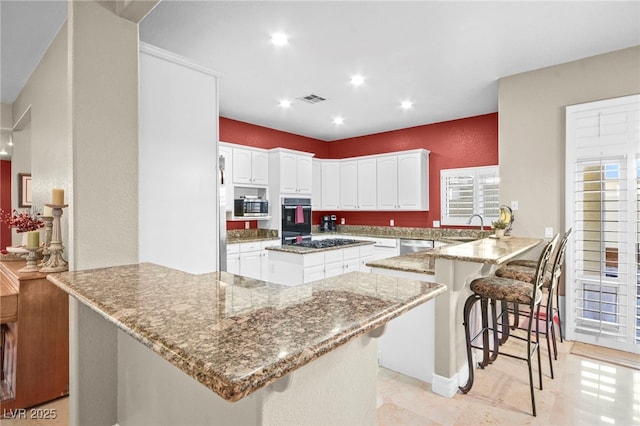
(505, 290)
(522, 269)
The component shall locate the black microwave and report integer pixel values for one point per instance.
(250, 207)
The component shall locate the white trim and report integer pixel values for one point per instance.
(176, 59)
(449, 386)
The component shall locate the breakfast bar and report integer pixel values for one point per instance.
(219, 348)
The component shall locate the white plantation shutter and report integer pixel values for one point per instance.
(603, 175)
(468, 191)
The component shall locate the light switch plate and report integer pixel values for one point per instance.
(246, 225)
(436, 224)
(548, 232)
(392, 222)
(514, 205)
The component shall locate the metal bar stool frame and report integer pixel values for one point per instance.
(506, 291)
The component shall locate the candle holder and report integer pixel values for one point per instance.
(32, 260)
(48, 227)
(55, 263)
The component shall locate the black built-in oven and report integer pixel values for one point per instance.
(296, 220)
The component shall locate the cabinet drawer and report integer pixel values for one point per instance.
(332, 256)
(8, 301)
(351, 253)
(252, 246)
(313, 259)
(366, 250)
(233, 248)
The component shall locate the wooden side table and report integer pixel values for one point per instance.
(35, 338)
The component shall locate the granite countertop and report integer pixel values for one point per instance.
(307, 250)
(488, 250)
(235, 334)
(437, 234)
(236, 236)
(419, 262)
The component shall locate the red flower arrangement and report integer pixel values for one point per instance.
(26, 220)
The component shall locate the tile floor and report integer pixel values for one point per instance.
(585, 392)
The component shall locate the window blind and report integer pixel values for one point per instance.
(468, 191)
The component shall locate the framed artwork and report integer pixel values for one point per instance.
(24, 189)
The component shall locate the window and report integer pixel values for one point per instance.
(468, 191)
(603, 205)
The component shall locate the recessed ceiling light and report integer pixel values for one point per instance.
(406, 104)
(357, 80)
(338, 120)
(285, 103)
(279, 39)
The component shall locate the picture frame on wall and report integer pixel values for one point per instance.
(24, 189)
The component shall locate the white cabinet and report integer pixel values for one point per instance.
(349, 185)
(367, 184)
(358, 184)
(403, 181)
(265, 258)
(250, 167)
(316, 184)
(251, 260)
(292, 170)
(226, 187)
(330, 185)
(295, 269)
(233, 258)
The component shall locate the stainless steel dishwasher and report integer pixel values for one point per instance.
(412, 246)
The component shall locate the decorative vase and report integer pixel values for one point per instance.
(499, 233)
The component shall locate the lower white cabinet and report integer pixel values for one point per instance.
(295, 269)
(250, 259)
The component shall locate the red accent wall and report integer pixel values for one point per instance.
(465, 142)
(242, 133)
(5, 201)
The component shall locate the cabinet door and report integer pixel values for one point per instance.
(259, 168)
(251, 264)
(349, 186)
(288, 173)
(330, 185)
(352, 265)
(367, 184)
(314, 273)
(226, 188)
(304, 174)
(410, 182)
(233, 264)
(316, 184)
(333, 269)
(241, 166)
(387, 188)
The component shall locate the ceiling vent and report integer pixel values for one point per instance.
(311, 99)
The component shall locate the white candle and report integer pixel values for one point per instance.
(57, 196)
(33, 239)
(47, 211)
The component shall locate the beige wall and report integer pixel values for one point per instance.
(531, 109)
(41, 109)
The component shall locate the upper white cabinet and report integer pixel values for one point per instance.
(292, 171)
(358, 184)
(316, 184)
(403, 181)
(330, 184)
(250, 166)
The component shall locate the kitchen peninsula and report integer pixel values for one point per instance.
(297, 355)
(455, 266)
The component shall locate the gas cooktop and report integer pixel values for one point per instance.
(329, 242)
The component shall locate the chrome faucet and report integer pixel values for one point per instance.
(481, 220)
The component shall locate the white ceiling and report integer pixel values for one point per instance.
(445, 56)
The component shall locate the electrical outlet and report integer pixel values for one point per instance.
(436, 224)
(548, 232)
(246, 225)
(392, 222)
(514, 205)
(342, 221)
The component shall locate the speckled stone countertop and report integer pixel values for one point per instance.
(439, 234)
(488, 250)
(234, 334)
(235, 236)
(306, 250)
(418, 262)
